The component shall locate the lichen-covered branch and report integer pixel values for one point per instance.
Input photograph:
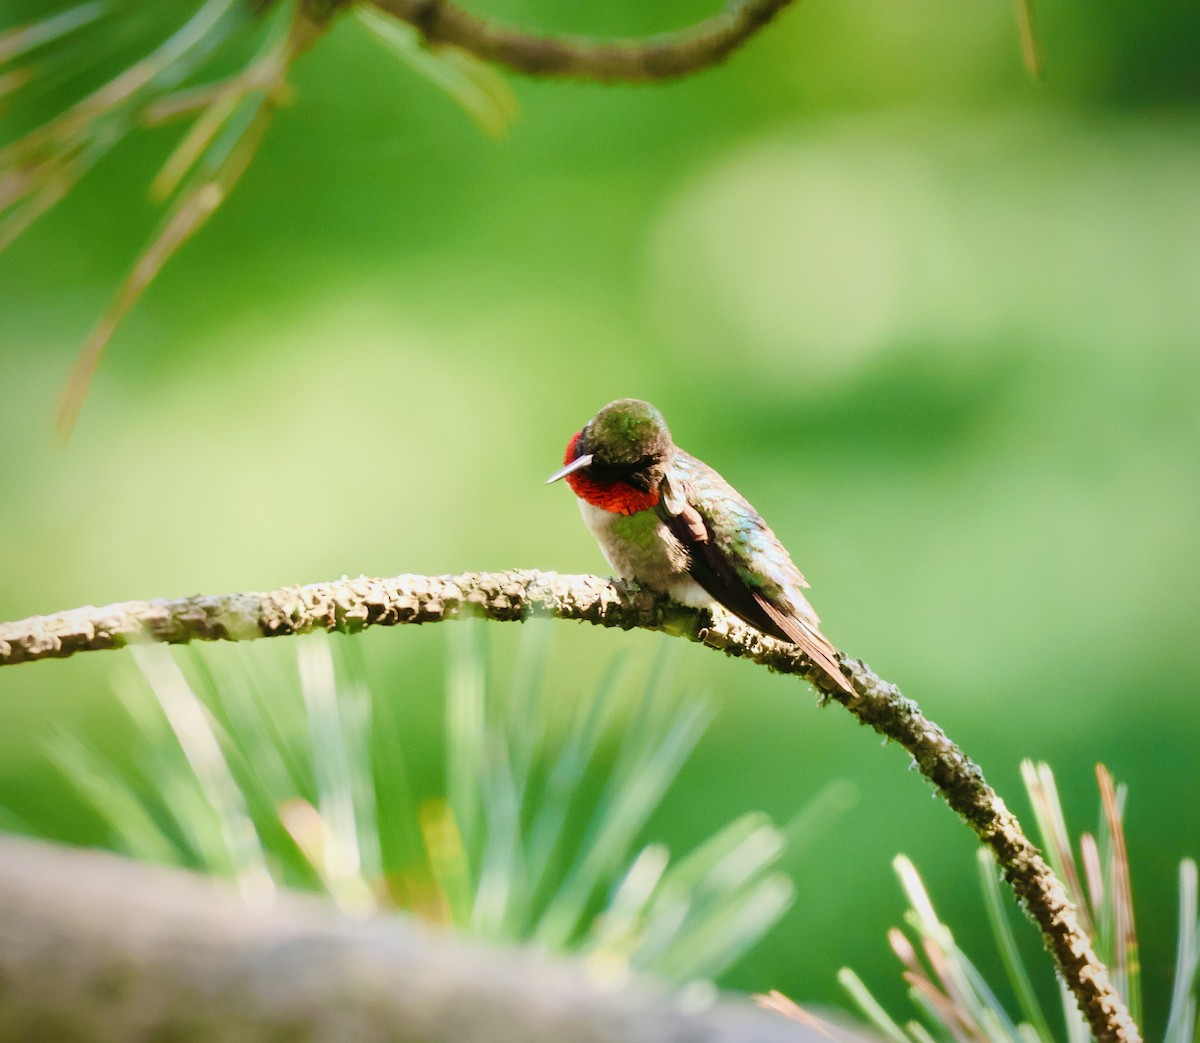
(346, 605)
(98, 949)
(351, 604)
(656, 58)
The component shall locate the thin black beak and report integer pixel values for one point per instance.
(578, 463)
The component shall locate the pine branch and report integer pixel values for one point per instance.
(658, 58)
(99, 949)
(351, 605)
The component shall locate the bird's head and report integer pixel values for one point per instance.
(620, 457)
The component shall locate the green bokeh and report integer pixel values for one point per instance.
(938, 322)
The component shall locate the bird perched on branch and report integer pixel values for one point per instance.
(672, 523)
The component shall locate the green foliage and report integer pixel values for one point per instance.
(954, 997)
(228, 119)
(297, 777)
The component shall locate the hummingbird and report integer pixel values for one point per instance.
(674, 524)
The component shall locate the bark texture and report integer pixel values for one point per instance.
(352, 604)
(97, 949)
(631, 61)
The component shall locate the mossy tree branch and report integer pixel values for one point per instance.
(350, 605)
(631, 61)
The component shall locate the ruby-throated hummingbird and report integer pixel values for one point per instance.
(672, 523)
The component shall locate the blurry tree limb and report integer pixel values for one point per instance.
(350, 605)
(657, 58)
(98, 949)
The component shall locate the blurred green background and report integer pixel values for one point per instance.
(937, 321)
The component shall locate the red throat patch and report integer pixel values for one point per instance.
(616, 497)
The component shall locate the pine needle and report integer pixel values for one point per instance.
(480, 91)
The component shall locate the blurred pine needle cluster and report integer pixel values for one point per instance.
(226, 116)
(296, 775)
(956, 1001)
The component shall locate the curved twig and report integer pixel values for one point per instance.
(631, 61)
(352, 604)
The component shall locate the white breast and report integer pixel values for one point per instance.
(641, 547)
